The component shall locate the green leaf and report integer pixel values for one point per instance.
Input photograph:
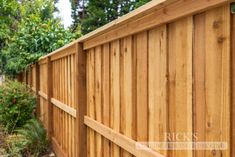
(233, 8)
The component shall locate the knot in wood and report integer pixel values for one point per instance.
(213, 152)
(221, 40)
(216, 24)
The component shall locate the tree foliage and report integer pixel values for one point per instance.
(78, 10)
(29, 30)
(101, 12)
(37, 33)
(16, 105)
(33, 39)
(8, 22)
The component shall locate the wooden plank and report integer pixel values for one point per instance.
(56, 147)
(115, 92)
(199, 97)
(44, 95)
(66, 102)
(74, 103)
(233, 88)
(49, 95)
(157, 85)
(142, 96)
(168, 13)
(64, 107)
(105, 95)
(98, 105)
(91, 95)
(180, 87)
(121, 140)
(64, 51)
(62, 100)
(37, 87)
(42, 61)
(69, 103)
(81, 100)
(217, 58)
(33, 89)
(126, 89)
(134, 87)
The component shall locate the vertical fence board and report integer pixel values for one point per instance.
(126, 89)
(98, 107)
(142, 101)
(106, 95)
(49, 95)
(199, 95)
(157, 85)
(91, 96)
(180, 72)
(37, 75)
(217, 76)
(69, 103)
(233, 88)
(115, 92)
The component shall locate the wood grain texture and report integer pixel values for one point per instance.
(80, 98)
(91, 101)
(157, 85)
(199, 95)
(180, 85)
(105, 96)
(217, 76)
(126, 89)
(98, 105)
(233, 88)
(115, 91)
(124, 142)
(141, 87)
(49, 95)
(167, 14)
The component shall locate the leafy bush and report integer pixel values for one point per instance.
(17, 104)
(30, 140)
(36, 33)
(15, 145)
(33, 39)
(35, 135)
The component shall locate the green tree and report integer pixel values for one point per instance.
(34, 39)
(139, 3)
(77, 13)
(101, 12)
(38, 33)
(8, 23)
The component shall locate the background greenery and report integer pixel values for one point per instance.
(17, 104)
(21, 134)
(29, 30)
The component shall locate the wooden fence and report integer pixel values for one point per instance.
(163, 71)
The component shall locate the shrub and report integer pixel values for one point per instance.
(15, 145)
(17, 104)
(35, 135)
(29, 140)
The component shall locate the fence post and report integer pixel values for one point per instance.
(26, 77)
(81, 101)
(31, 76)
(37, 88)
(49, 95)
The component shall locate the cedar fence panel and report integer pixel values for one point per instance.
(162, 70)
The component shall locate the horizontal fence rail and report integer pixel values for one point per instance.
(163, 70)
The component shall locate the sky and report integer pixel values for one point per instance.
(64, 7)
